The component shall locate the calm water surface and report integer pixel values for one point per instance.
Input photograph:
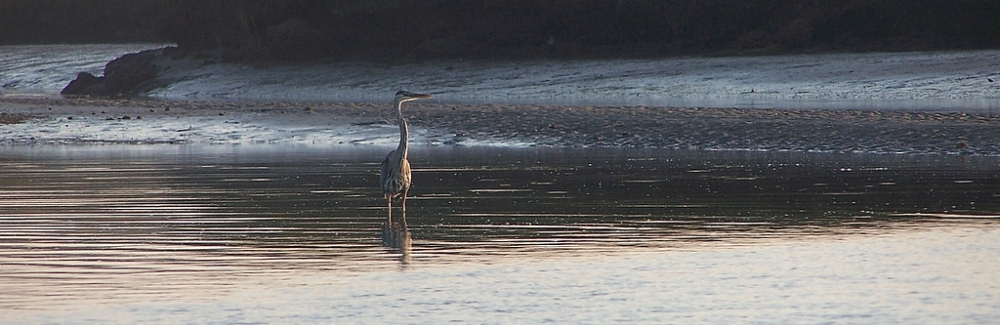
(293, 235)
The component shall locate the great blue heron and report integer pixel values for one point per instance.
(395, 179)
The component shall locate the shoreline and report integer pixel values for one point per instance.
(51, 121)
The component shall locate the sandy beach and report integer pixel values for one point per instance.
(29, 121)
(908, 103)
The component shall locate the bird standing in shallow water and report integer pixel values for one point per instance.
(395, 177)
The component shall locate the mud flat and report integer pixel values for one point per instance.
(79, 121)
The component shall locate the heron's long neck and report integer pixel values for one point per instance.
(402, 132)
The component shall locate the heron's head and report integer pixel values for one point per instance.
(405, 96)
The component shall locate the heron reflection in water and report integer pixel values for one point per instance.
(396, 237)
(395, 171)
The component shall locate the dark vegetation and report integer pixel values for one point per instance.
(427, 29)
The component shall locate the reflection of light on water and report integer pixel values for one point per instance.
(500, 190)
(948, 215)
(330, 191)
(209, 224)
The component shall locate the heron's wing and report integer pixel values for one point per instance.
(385, 169)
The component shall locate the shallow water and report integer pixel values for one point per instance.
(267, 234)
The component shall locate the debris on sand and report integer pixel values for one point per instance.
(8, 118)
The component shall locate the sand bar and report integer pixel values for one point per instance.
(32, 121)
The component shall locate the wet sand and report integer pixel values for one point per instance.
(72, 121)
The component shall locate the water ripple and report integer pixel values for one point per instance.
(159, 226)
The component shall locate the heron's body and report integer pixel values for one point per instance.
(395, 170)
(395, 182)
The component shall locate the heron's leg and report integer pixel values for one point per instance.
(389, 198)
(405, 193)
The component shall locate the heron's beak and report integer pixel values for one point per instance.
(421, 96)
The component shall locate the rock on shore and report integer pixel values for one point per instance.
(130, 75)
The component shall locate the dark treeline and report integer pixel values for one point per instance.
(80, 21)
(423, 29)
